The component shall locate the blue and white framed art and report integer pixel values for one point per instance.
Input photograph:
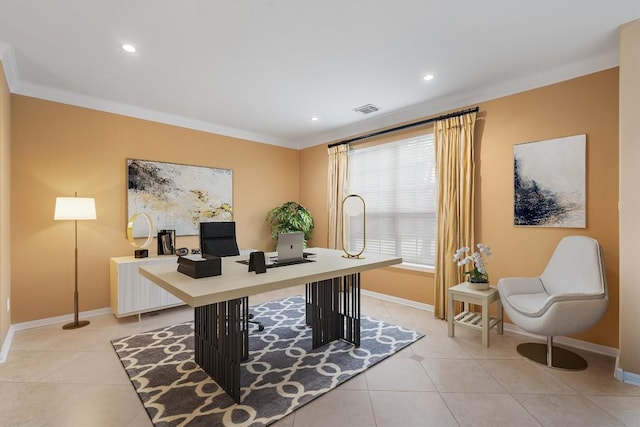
(550, 183)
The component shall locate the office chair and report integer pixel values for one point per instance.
(219, 239)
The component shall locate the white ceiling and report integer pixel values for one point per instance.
(260, 69)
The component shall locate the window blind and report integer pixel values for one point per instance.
(397, 180)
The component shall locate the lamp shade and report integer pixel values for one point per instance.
(75, 208)
(353, 205)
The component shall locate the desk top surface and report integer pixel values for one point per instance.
(236, 281)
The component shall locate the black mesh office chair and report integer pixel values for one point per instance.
(219, 239)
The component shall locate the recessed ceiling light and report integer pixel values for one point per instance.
(428, 77)
(314, 119)
(129, 48)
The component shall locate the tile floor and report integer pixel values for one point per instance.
(54, 377)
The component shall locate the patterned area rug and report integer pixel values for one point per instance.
(282, 373)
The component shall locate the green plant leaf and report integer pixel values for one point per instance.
(290, 217)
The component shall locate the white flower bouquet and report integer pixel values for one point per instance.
(478, 259)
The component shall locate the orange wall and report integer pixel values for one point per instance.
(313, 193)
(59, 149)
(586, 105)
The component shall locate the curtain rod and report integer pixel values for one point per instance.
(408, 125)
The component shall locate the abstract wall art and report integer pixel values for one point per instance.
(549, 183)
(178, 197)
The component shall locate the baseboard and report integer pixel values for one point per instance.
(626, 376)
(6, 345)
(569, 342)
(59, 319)
(397, 300)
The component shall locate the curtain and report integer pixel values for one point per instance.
(455, 212)
(337, 183)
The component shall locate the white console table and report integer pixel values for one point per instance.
(130, 293)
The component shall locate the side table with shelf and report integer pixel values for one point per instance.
(482, 321)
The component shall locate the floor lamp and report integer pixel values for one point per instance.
(76, 209)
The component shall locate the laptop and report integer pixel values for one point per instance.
(290, 247)
(290, 251)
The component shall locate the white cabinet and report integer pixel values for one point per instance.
(130, 293)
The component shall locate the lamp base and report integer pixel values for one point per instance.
(141, 253)
(352, 256)
(76, 325)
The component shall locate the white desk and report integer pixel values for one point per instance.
(333, 304)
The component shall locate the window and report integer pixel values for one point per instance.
(397, 180)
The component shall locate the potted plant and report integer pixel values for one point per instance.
(290, 217)
(478, 278)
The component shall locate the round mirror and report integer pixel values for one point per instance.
(130, 230)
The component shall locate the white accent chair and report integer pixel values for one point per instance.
(570, 296)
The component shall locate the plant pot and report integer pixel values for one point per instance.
(478, 286)
(476, 277)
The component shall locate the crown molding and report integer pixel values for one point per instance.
(414, 112)
(78, 100)
(8, 59)
(447, 103)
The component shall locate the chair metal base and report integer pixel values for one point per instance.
(256, 322)
(560, 357)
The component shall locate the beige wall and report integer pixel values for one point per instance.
(629, 360)
(586, 105)
(59, 149)
(5, 192)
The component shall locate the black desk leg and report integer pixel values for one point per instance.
(222, 342)
(333, 310)
(308, 310)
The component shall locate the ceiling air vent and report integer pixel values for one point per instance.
(366, 109)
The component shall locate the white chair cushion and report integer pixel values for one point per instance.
(529, 296)
(575, 268)
(533, 305)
